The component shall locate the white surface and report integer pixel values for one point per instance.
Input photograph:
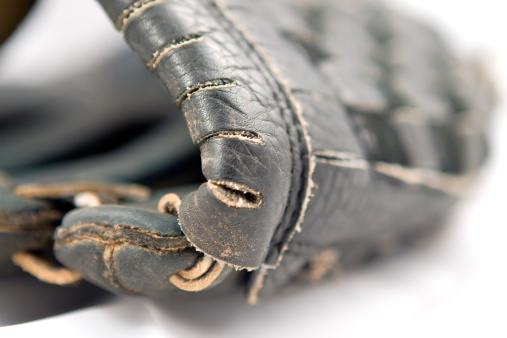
(455, 287)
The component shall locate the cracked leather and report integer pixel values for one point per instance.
(360, 112)
(329, 132)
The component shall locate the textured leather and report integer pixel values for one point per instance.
(147, 247)
(329, 132)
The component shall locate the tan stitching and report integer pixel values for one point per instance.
(450, 184)
(134, 10)
(200, 283)
(76, 227)
(341, 159)
(117, 234)
(69, 189)
(243, 135)
(199, 269)
(42, 270)
(110, 268)
(294, 106)
(169, 203)
(205, 86)
(98, 239)
(235, 195)
(174, 44)
(339, 155)
(107, 258)
(355, 164)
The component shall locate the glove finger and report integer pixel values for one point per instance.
(236, 113)
(29, 214)
(124, 249)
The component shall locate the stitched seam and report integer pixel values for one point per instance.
(215, 84)
(263, 69)
(107, 257)
(243, 135)
(433, 179)
(102, 240)
(174, 44)
(280, 92)
(120, 227)
(134, 10)
(337, 155)
(235, 195)
(345, 160)
(110, 271)
(453, 185)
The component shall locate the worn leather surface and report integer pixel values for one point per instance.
(136, 250)
(369, 128)
(329, 132)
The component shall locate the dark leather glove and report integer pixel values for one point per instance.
(330, 131)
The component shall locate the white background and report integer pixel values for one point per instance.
(457, 286)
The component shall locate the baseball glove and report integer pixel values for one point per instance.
(330, 132)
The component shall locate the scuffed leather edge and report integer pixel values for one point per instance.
(296, 109)
(307, 187)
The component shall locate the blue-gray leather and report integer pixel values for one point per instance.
(128, 249)
(329, 132)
